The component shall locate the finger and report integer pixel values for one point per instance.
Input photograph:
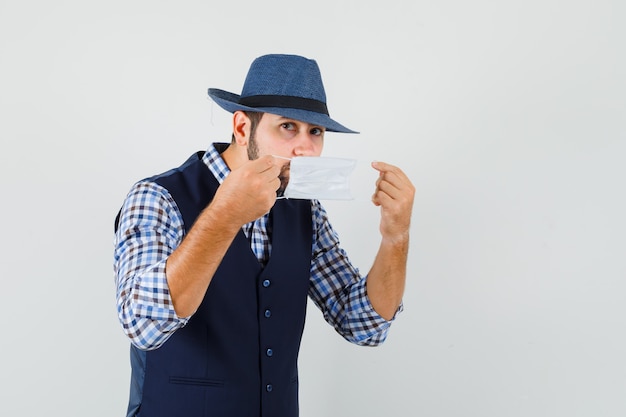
(388, 188)
(390, 184)
(265, 163)
(383, 167)
(267, 167)
(276, 183)
(392, 174)
(383, 197)
(393, 188)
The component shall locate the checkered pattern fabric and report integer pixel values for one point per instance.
(151, 228)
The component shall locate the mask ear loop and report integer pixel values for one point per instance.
(281, 157)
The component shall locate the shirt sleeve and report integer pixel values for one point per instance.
(338, 289)
(150, 228)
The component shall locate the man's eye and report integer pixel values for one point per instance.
(288, 126)
(317, 131)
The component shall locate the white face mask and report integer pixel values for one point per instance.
(319, 178)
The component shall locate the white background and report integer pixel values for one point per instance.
(508, 116)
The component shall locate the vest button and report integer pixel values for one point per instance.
(268, 314)
(266, 283)
(269, 352)
(269, 388)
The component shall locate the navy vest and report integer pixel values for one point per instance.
(237, 355)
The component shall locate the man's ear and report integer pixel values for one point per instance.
(241, 128)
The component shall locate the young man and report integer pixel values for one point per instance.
(213, 271)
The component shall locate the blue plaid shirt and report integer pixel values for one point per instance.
(151, 228)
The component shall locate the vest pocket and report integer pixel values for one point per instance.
(202, 382)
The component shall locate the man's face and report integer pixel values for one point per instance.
(280, 136)
(283, 137)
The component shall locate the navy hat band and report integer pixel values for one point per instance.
(285, 102)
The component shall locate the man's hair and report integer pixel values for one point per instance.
(255, 118)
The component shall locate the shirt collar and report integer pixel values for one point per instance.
(215, 163)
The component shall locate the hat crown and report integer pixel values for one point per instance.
(284, 75)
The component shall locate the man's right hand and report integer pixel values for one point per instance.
(249, 191)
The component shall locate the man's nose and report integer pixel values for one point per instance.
(305, 145)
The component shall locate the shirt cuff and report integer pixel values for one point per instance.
(154, 301)
(367, 326)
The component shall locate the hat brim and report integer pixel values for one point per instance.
(230, 102)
